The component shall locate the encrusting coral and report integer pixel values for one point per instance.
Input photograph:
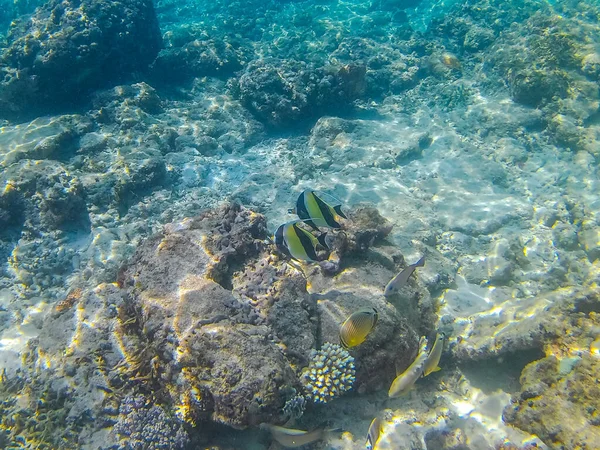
(144, 426)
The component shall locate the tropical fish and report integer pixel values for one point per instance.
(433, 359)
(450, 60)
(316, 212)
(291, 438)
(406, 380)
(400, 280)
(297, 242)
(373, 434)
(355, 328)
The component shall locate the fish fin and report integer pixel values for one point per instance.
(437, 369)
(338, 210)
(322, 241)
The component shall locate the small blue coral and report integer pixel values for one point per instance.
(294, 407)
(329, 374)
(143, 426)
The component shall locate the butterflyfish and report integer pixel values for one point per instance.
(355, 328)
(316, 212)
(400, 280)
(406, 380)
(291, 438)
(298, 243)
(433, 359)
(373, 434)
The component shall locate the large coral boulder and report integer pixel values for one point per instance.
(214, 351)
(282, 93)
(66, 49)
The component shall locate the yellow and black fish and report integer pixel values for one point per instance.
(298, 243)
(373, 434)
(355, 328)
(318, 213)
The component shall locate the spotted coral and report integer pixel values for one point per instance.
(329, 374)
(143, 426)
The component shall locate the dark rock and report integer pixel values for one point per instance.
(200, 57)
(56, 57)
(284, 93)
(533, 87)
(478, 38)
(44, 196)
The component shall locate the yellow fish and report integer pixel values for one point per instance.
(355, 328)
(298, 243)
(433, 359)
(406, 380)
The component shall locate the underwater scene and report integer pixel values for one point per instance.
(315, 224)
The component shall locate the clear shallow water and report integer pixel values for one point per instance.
(472, 128)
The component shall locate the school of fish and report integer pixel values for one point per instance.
(300, 244)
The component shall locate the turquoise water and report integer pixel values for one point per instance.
(155, 291)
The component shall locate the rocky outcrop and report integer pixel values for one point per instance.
(62, 52)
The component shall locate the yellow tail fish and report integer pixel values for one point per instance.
(403, 382)
(433, 359)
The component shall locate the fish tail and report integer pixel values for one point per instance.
(338, 210)
(420, 262)
(322, 241)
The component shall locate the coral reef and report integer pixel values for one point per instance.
(193, 53)
(62, 52)
(281, 93)
(475, 137)
(142, 426)
(294, 407)
(197, 316)
(559, 401)
(329, 374)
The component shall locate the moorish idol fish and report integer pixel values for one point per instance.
(316, 212)
(298, 243)
(400, 280)
(355, 328)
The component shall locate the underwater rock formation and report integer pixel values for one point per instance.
(64, 51)
(208, 324)
(41, 203)
(560, 397)
(282, 92)
(559, 402)
(198, 55)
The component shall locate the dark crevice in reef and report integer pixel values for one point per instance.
(500, 373)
